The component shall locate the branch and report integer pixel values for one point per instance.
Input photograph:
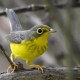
(56, 73)
(5, 53)
(38, 7)
(27, 8)
(64, 5)
(73, 4)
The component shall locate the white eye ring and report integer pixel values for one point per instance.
(39, 31)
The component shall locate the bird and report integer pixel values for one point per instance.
(28, 44)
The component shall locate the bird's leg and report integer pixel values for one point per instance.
(38, 67)
(9, 60)
(12, 66)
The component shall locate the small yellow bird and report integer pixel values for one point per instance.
(29, 44)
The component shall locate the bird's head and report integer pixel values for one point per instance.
(41, 32)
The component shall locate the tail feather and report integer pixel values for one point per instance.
(14, 21)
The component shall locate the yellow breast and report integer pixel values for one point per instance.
(28, 50)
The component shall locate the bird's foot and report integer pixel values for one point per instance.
(12, 67)
(38, 67)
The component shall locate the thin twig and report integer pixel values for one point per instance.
(26, 8)
(39, 7)
(5, 53)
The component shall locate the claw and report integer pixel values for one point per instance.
(39, 68)
(13, 67)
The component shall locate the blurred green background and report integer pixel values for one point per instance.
(63, 16)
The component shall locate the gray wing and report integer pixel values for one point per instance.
(18, 36)
(15, 24)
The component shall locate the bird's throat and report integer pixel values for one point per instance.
(43, 40)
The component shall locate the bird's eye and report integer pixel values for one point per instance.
(39, 31)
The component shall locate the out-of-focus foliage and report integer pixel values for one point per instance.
(64, 45)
